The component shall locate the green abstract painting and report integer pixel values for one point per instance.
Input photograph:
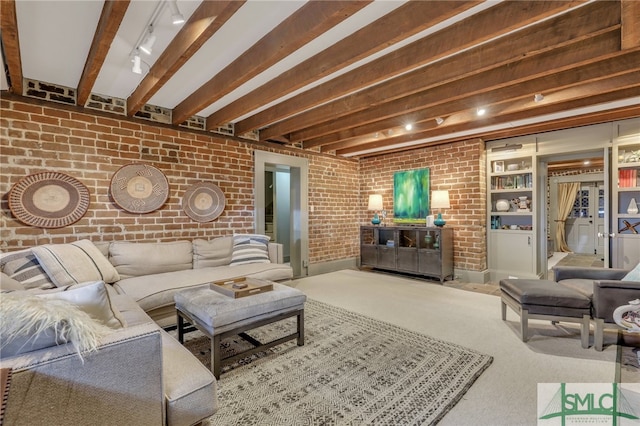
(411, 196)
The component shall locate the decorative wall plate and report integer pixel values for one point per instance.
(139, 188)
(49, 200)
(203, 202)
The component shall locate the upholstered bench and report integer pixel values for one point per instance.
(546, 300)
(219, 316)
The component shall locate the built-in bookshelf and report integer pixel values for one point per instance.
(626, 205)
(511, 204)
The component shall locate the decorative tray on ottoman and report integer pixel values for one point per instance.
(241, 287)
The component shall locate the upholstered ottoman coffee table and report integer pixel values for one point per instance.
(546, 300)
(219, 316)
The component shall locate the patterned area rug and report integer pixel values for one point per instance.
(352, 370)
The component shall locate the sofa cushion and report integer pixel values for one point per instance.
(74, 263)
(155, 291)
(633, 275)
(23, 266)
(216, 252)
(38, 322)
(581, 285)
(92, 298)
(250, 248)
(190, 388)
(138, 259)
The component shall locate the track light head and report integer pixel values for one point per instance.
(176, 16)
(147, 44)
(137, 69)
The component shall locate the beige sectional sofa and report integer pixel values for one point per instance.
(135, 372)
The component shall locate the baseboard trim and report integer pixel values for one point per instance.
(332, 266)
(466, 276)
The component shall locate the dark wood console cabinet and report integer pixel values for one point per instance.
(409, 249)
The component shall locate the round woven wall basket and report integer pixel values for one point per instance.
(139, 188)
(49, 200)
(203, 202)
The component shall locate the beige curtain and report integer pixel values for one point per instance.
(566, 197)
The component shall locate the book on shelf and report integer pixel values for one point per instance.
(628, 178)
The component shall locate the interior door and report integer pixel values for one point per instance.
(586, 220)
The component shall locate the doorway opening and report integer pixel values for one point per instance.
(281, 205)
(585, 223)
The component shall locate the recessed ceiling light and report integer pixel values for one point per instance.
(538, 97)
(439, 120)
(586, 162)
(481, 111)
(408, 127)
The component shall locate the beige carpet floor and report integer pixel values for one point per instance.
(506, 393)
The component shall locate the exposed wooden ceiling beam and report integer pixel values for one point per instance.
(578, 96)
(514, 111)
(307, 23)
(405, 21)
(622, 113)
(110, 19)
(630, 23)
(11, 45)
(568, 57)
(208, 18)
(491, 23)
(570, 28)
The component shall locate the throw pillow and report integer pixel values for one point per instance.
(92, 298)
(9, 284)
(216, 252)
(38, 323)
(75, 263)
(633, 275)
(250, 248)
(23, 266)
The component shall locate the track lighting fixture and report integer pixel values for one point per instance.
(439, 120)
(538, 97)
(137, 69)
(176, 16)
(147, 44)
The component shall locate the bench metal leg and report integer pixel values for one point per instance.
(584, 331)
(524, 324)
(216, 361)
(300, 330)
(180, 328)
(503, 308)
(598, 334)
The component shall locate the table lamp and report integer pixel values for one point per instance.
(375, 204)
(440, 200)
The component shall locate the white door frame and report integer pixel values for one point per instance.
(299, 245)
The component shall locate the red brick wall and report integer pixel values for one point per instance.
(38, 137)
(457, 167)
(89, 146)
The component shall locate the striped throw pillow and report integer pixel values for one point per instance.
(23, 266)
(250, 248)
(75, 263)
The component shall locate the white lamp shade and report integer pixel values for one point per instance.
(375, 202)
(440, 200)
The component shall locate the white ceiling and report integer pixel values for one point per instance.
(55, 37)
